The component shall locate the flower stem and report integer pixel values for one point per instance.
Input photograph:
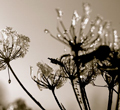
(118, 98)
(81, 85)
(86, 99)
(25, 88)
(57, 100)
(76, 94)
(83, 95)
(110, 99)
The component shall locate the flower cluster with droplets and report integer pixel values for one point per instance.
(47, 78)
(12, 46)
(76, 37)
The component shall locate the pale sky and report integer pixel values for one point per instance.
(31, 17)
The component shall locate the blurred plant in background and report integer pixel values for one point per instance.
(18, 104)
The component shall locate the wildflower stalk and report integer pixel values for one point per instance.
(118, 98)
(53, 92)
(86, 98)
(80, 83)
(25, 88)
(82, 94)
(110, 99)
(76, 94)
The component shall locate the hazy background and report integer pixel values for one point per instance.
(31, 17)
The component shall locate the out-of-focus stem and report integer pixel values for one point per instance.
(76, 94)
(25, 88)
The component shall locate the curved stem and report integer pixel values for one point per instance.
(57, 100)
(25, 88)
(76, 94)
(110, 99)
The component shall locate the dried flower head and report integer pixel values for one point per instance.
(48, 78)
(12, 46)
(69, 66)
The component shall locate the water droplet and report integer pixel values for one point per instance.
(100, 30)
(107, 24)
(92, 28)
(81, 76)
(59, 12)
(65, 49)
(46, 31)
(75, 18)
(115, 35)
(34, 77)
(86, 8)
(58, 35)
(84, 22)
(9, 81)
(98, 20)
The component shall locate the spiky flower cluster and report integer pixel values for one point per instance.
(77, 37)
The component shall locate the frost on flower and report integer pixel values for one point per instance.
(12, 46)
(47, 78)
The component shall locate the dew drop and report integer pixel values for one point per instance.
(59, 12)
(86, 8)
(46, 31)
(107, 24)
(65, 49)
(98, 20)
(9, 81)
(58, 35)
(71, 41)
(81, 76)
(34, 77)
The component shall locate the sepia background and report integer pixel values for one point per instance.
(31, 17)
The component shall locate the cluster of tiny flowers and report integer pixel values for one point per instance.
(47, 78)
(12, 46)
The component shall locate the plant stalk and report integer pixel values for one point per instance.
(76, 94)
(86, 99)
(110, 99)
(80, 82)
(118, 97)
(82, 94)
(25, 88)
(57, 100)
